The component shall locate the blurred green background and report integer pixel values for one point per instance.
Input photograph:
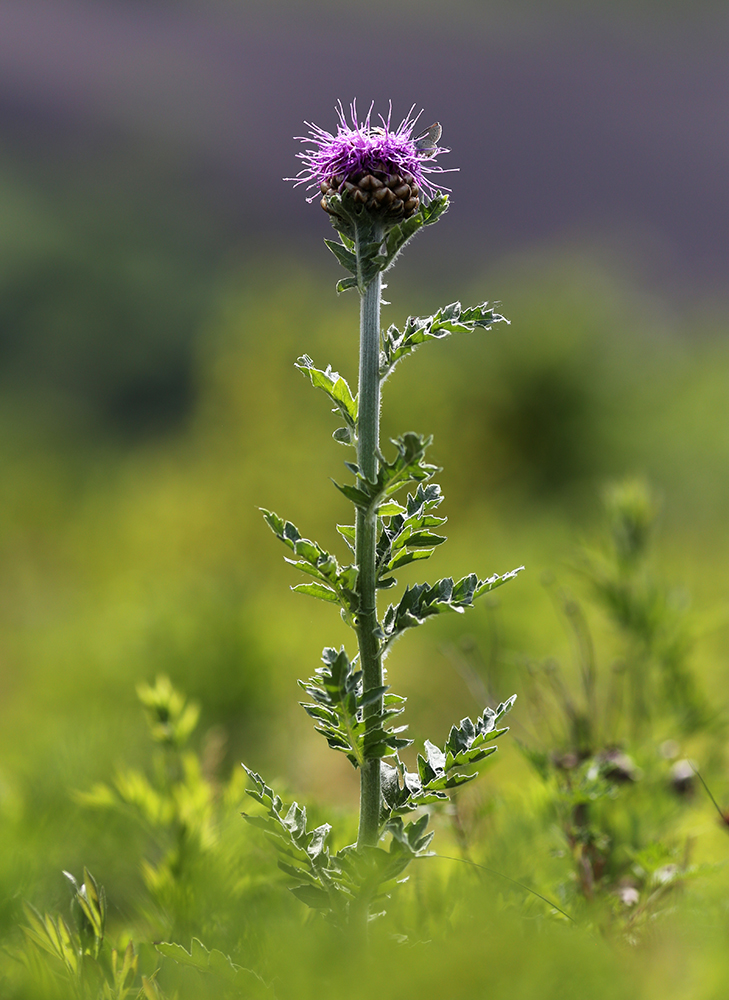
(158, 279)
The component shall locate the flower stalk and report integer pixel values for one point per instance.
(368, 446)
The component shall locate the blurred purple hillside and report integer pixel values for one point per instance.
(144, 146)
(561, 128)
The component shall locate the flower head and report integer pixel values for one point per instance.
(368, 149)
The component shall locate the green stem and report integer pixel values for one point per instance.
(368, 434)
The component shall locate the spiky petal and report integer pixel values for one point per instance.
(365, 148)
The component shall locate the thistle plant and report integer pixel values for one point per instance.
(375, 183)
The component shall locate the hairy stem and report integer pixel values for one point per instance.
(368, 433)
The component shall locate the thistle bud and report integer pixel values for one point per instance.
(389, 196)
(373, 169)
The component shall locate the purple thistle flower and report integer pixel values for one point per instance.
(362, 149)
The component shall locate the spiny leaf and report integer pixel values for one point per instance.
(404, 791)
(421, 601)
(338, 703)
(374, 253)
(449, 320)
(404, 557)
(347, 531)
(408, 528)
(359, 498)
(334, 583)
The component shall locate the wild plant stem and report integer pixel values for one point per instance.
(368, 434)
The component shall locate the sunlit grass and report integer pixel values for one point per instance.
(120, 564)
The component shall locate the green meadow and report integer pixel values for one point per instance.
(140, 588)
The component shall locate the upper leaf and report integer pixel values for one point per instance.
(338, 391)
(451, 319)
(423, 600)
(287, 827)
(363, 250)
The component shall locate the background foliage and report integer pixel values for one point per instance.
(149, 405)
(122, 563)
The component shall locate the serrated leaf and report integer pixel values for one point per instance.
(425, 539)
(346, 258)
(390, 508)
(375, 254)
(297, 872)
(435, 208)
(404, 231)
(405, 557)
(213, 961)
(449, 320)
(320, 712)
(436, 777)
(196, 958)
(374, 694)
(223, 965)
(505, 706)
(317, 842)
(317, 590)
(334, 584)
(421, 601)
(407, 467)
(496, 581)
